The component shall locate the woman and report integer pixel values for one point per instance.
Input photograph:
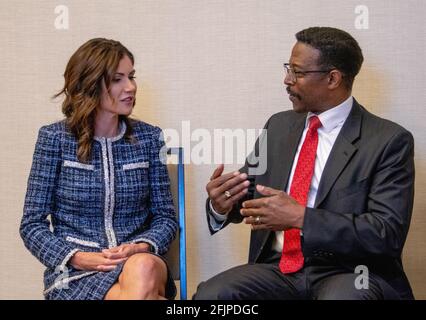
(101, 178)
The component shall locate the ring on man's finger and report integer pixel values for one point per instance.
(228, 194)
(257, 220)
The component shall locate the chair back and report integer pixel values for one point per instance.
(176, 256)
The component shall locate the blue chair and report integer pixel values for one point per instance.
(176, 256)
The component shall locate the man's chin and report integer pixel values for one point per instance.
(298, 108)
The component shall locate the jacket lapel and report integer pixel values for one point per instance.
(279, 167)
(288, 149)
(341, 153)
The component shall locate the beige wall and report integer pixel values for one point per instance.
(215, 63)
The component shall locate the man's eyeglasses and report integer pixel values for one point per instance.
(293, 75)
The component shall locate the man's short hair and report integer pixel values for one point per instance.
(338, 50)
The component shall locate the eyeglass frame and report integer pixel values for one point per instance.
(288, 69)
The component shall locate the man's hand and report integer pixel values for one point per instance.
(108, 259)
(225, 190)
(276, 211)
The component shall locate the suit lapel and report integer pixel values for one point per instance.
(288, 148)
(279, 167)
(341, 153)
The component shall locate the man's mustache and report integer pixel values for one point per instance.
(292, 93)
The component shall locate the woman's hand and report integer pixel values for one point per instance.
(125, 251)
(108, 259)
(94, 261)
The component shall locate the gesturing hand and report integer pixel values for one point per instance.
(225, 190)
(276, 211)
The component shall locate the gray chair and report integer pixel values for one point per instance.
(176, 256)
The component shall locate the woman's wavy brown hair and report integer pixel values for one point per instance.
(95, 61)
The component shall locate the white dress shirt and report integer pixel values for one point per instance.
(332, 122)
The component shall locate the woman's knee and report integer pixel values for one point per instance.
(144, 265)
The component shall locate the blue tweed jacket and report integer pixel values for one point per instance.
(121, 196)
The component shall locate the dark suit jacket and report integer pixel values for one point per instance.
(364, 201)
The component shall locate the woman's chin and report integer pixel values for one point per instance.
(125, 110)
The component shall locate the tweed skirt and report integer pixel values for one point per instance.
(95, 285)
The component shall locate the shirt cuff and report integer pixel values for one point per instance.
(216, 219)
(217, 216)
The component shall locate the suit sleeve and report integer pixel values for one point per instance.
(163, 224)
(383, 227)
(52, 251)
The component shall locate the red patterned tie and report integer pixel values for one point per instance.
(292, 256)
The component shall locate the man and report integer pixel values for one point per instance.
(331, 212)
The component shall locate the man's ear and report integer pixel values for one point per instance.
(335, 79)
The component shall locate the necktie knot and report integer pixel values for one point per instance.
(314, 123)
